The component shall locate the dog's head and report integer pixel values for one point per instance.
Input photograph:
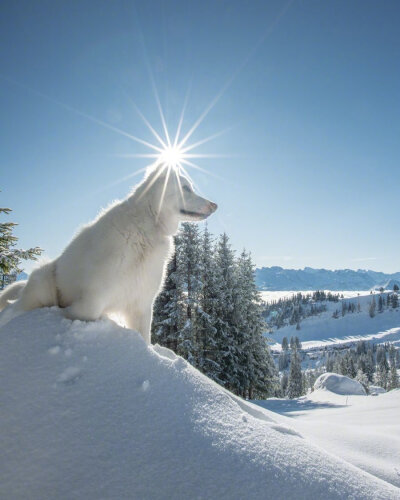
(173, 197)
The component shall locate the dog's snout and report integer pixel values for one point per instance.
(213, 206)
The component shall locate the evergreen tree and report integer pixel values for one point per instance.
(380, 304)
(283, 360)
(372, 307)
(393, 382)
(11, 257)
(253, 352)
(382, 373)
(190, 270)
(295, 383)
(363, 379)
(226, 319)
(168, 311)
(210, 312)
(285, 344)
(209, 361)
(284, 383)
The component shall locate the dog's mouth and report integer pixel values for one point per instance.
(195, 215)
(209, 208)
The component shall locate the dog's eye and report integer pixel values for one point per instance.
(187, 188)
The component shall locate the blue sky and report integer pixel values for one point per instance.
(309, 92)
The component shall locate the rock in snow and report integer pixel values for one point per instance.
(88, 411)
(339, 384)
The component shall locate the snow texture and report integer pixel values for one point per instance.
(339, 384)
(363, 430)
(118, 419)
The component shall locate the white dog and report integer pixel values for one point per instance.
(116, 264)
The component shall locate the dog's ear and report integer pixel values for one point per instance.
(153, 170)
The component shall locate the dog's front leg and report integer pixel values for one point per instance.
(85, 309)
(140, 322)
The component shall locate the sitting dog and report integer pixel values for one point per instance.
(115, 264)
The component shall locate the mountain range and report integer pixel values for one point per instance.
(278, 278)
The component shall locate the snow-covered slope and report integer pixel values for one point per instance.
(363, 430)
(89, 411)
(323, 329)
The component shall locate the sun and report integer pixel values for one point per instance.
(171, 156)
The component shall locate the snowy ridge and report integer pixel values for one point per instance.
(324, 330)
(277, 278)
(89, 411)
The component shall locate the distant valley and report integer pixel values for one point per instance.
(278, 278)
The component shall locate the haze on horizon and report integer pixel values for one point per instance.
(308, 94)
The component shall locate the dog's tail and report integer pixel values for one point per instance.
(11, 292)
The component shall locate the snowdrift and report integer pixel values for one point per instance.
(363, 430)
(89, 411)
(339, 384)
(375, 389)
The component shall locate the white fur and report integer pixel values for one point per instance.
(115, 265)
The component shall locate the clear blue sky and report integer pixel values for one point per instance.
(312, 96)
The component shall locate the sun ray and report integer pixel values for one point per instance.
(149, 126)
(134, 155)
(122, 179)
(180, 187)
(186, 173)
(178, 130)
(236, 72)
(211, 155)
(82, 113)
(163, 190)
(207, 139)
(201, 169)
(151, 76)
(153, 180)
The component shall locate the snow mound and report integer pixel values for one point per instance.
(339, 384)
(89, 411)
(375, 389)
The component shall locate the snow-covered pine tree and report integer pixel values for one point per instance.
(257, 372)
(209, 356)
(284, 383)
(226, 323)
(363, 379)
(393, 382)
(382, 372)
(295, 384)
(168, 311)
(372, 307)
(10, 257)
(189, 267)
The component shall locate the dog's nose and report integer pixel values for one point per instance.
(213, 206)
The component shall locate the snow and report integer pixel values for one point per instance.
(115, 418)
(324, 330)
(339, 384)
(272, 296)
(375, 389)
(363, 430)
